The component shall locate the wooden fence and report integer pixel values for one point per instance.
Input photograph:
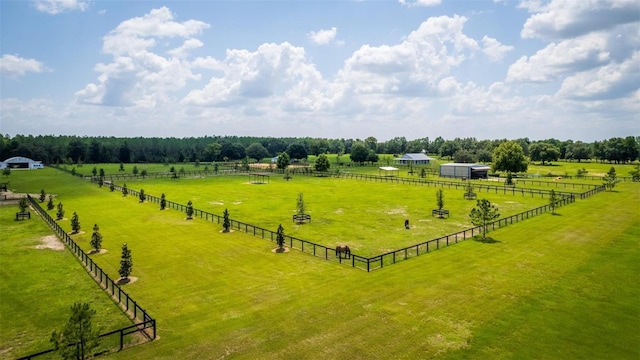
(145, 324)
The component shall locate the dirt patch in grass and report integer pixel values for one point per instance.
(51, 242)
(280, 250)
(124, 281)
(101, 251)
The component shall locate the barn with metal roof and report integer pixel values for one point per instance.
(21, 162)
(467, 171)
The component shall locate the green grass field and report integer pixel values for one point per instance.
(552, 287)
(38, 287)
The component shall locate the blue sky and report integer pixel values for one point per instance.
(334, 69)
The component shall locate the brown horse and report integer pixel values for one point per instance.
(343, 249)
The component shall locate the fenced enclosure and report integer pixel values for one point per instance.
(379, 261)
(144, 323)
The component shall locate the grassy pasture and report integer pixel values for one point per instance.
(552, 287)
(38, 286)
(367, 216)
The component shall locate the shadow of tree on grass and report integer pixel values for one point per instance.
(487, 240)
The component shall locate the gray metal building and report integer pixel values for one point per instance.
(467, 171)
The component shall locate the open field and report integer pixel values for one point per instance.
(40, 280)
(551, 287)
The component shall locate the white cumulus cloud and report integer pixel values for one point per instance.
(55, 7)
(323, 37)
(16, 66)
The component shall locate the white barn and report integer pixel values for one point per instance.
(467, 171)
(414, 159)
(21, 162)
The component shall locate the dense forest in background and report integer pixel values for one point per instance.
(74, 149)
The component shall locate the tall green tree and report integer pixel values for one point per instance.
(126, 263)
(75, 223)
(77, 338)
(322, 163)
(509, 157)
(283, 161)
(257, 151)
(359, 152)
(610, 179)
(96, 238)
(542, 151)
(482, 214)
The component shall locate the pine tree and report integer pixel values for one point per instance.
(440, 199)
(142, 196)
(189, 210)
(482, 214)
(163, 202)
(112, 186)
(75, 223)
(126, 264)
(611, 179)
(280, 237)
(125, 191)
(226, 223)
(50, 205)
(553, 200)
(79, 332)
(96, 238)
(300, 206)
(43, 196)
(22, 205)
(60, 212)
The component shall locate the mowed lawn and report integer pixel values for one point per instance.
(367, 216)
(39, 284)
(558, 287)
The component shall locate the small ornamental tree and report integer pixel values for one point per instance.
(440, 200)
(112, 186)
(553, 199)
(189, 210)
(423, 173)
(96, 238)
(142, 196)
(50, 205)
(509, 180)
(75, 223)
(215, 168)
(163, 202)
(610, 179)
(60, 212)
(101, 172)
(482, 214)
(635, 173)
(94, 171)
(135, 170)
(101, 181)
(125, 191)
(226, 223)
(22, 204)
(143, 173)
(126, 264)
(468, 188)
(300, 206)
(77, 338)
(121, 167)
(280, 237)
(43, 196)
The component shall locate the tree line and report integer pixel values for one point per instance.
(75, 149)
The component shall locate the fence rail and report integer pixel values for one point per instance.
(145, 323)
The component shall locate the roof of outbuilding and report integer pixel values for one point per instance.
(415, 156)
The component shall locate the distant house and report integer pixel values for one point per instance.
(414, 159)
(20, 162)
(467, 171)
